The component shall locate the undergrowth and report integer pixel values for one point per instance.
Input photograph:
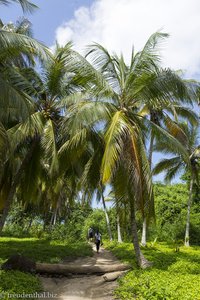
(173, 276)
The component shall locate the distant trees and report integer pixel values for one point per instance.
(189, 162)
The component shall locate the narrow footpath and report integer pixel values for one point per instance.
(82, 287)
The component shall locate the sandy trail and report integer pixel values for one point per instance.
(82, 287)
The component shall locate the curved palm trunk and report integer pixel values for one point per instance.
(140, 259)
(187, 229)
(15, 182)
(107, 217)
(144, 225)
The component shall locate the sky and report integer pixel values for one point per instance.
(119, 25)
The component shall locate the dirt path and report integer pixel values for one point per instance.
(82, 287)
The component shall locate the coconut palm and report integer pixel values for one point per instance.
(166, 115)
(112, 103)
(17, 54)
(177, 163)
(37, 131)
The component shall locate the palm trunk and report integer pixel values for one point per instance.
(14, 185)
(140, 259)
(56, 211)
(151, 150)
(107, 217)
(119, 236)
(187, 229)
(144, 232)
(144, 225)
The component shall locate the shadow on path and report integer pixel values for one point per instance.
(79, 287)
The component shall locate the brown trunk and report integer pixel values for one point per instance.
(73, 269)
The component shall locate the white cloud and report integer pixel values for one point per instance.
(118, 24)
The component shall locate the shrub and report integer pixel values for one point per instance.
(15, 282)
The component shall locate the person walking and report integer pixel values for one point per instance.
(90, 234)
(97, 240)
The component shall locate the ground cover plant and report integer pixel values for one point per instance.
(15, 282)
(174, 275)
(42, 250)
(12, 282)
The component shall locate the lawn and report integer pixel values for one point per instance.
(174, 275)
(42, 250)
(13, 282)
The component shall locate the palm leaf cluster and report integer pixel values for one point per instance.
(83, 123)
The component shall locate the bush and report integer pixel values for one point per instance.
(174, 275)
(15, 282)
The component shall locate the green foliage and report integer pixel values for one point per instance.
(171, 209)
(157, 285)
(97, 220)
(42, 250)
(174, 275)
(15, 282)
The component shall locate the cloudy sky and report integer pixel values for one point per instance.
(120, 24)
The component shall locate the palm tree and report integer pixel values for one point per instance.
(17, 54)
(38, 129)
(166, 116)
(113, 101)
(177, 163)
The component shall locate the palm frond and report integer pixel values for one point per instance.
(116, 132)
(173, 144)
(13, 44)
(26, 5)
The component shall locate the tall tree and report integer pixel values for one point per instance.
(166, 115)
(177, 163)
(113, 101)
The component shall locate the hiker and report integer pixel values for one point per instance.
(97, 240)
(90, 234)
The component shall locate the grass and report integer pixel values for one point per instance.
(174, 275)
(42, 250)
(15, 282)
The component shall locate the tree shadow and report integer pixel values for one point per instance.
(42, 250)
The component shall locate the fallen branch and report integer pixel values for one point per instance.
(61, 269)
(113, 276)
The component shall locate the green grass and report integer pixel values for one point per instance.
(15, 282)
(174, 275)
(42, 250)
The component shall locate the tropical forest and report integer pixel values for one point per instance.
(100, 171)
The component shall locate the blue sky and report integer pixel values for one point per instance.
(50, 15)
(118, 25)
